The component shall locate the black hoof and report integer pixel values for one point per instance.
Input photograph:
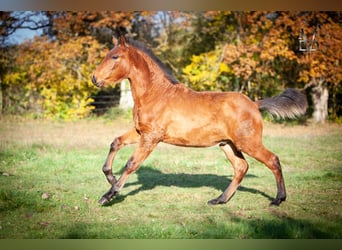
(103, 201)
(277, 201)
(107, 197)
(216, 202)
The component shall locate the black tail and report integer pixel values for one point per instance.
(289, 104)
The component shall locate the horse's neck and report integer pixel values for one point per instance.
(147, 80)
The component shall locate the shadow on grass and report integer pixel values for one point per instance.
(275, 228)
(237, 228)
(149, 178)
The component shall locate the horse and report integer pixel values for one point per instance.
(167, 111)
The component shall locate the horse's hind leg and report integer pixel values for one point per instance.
(240, 169)
(265, 156)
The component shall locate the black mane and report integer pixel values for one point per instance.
(141, 46)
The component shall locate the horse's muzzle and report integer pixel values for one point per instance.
(95, 82)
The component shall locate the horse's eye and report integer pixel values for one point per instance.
(115, 57)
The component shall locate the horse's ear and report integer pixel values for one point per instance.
(122, 41)
(115, 41)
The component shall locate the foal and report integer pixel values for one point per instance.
(167, 111)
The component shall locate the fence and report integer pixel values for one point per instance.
(114, 97)
(103, 103)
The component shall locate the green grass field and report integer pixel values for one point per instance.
(51, 180)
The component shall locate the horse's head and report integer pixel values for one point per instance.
(115, 66)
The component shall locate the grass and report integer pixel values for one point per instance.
(167, 197)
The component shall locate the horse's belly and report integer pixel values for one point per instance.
(196, 137)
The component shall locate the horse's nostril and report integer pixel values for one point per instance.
(93, 79)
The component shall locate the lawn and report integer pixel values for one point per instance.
(51, 180)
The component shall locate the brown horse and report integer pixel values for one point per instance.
(167, 111)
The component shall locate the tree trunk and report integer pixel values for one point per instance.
(320, 96)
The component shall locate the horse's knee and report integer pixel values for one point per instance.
(116, 144)
(130, 166)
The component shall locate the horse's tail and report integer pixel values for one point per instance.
(289, 104)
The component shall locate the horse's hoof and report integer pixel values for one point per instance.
(277, 201)
(215, 202)
(103, 201)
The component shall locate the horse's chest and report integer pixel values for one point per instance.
(147, 121)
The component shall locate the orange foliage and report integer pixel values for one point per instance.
(59, 73)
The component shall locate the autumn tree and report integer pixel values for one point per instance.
(11, 22)
(101, 25)
(321, 69)
(316, 64)
(55, 84)
(261, 50)
(52, 72)
(251, 50)
(207, 71)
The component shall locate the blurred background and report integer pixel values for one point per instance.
(47, 57)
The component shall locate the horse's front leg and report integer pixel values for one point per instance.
(129, 137)
(143, 150)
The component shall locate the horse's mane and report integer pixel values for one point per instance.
(166, 70)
